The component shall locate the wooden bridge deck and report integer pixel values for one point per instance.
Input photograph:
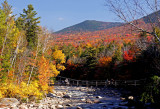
(68, 81)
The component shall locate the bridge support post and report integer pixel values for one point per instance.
(60, 83)
(115, 83)
(77, 83)
(96, 84)
(87, 83)
(135, 83)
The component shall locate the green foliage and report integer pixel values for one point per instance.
(29, 23)
(2, 26)
(157, 32)
(69, 51)
(143, 34)
(7, 9)
(152, 91)
(9, 36)
(118, 54)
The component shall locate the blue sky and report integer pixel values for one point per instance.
(58, 14)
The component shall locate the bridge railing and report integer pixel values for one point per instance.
(61, 81)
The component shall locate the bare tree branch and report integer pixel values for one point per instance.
(138, 7)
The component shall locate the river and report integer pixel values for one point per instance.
(91, 98)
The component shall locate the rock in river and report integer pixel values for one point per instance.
(51, 95)
(66, 96)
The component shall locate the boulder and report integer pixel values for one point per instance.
(98, 97)
(97, 101)
(23, 107)
(66, 96)
(15, 107)
(89, 101)
(40, 106)
(122, 98)
(59, 106)
(9, 101)
(60, 94)
(83, 99)
(3, 106)
(68, 105)
(51, 95)
(79, 107)
(130, 97)
(52, 107)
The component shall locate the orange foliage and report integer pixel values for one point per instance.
(44, 73)
(104, 61)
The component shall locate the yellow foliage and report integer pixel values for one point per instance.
(59, 56)
(60, 67)
(54, 71)
(22, 90)
(88, 45)
(45, 88)
(21, 50)
(31, 89)
(1, 96)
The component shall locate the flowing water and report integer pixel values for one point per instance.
(93, 98)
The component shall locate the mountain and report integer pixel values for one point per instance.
(89, 25)
(152, 18)
(93, 31)
(93, 25)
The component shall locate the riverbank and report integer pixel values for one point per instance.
(67, 97)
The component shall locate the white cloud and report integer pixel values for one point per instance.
(60, 18)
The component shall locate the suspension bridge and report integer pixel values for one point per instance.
(73, 82)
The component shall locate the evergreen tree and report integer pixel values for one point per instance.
(29, 23)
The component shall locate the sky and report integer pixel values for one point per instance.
(58, 14)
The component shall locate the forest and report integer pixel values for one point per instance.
(27, 62)
(31, 56)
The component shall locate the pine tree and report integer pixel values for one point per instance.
(29, 23)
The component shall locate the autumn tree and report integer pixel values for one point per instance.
(128, 56)
(26, 60)
(118, 54)
(9, 38)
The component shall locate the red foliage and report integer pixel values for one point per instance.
(149, 38)
(128, 55)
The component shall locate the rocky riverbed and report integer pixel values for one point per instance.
(91, 98)
(67, 97)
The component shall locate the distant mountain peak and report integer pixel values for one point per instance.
(89, 25)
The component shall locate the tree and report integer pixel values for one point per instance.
(9, 35)
(131, 10)
(58, 56)
(118, 54)
(29, 23)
